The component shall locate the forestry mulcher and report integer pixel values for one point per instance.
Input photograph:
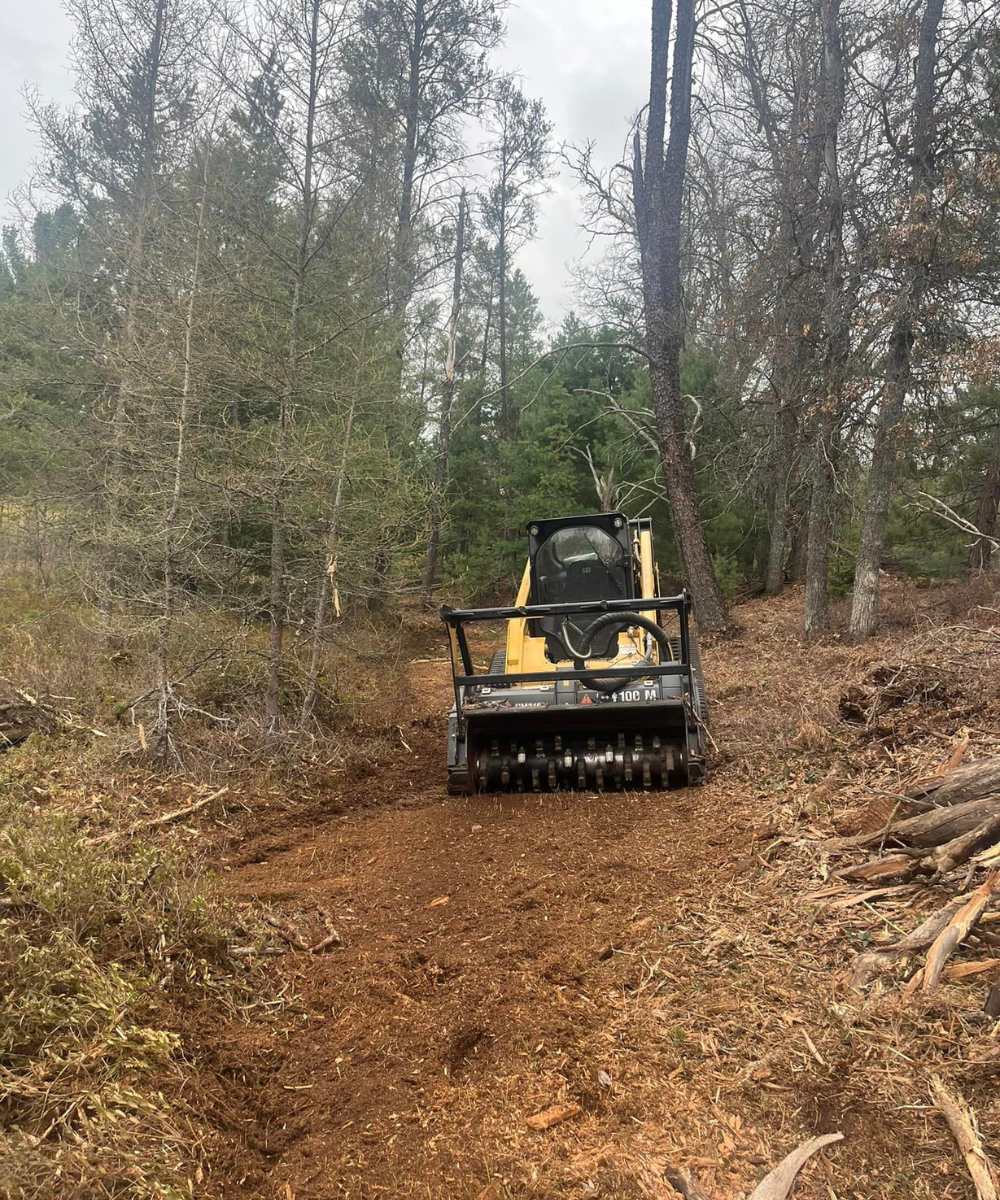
(599, 685)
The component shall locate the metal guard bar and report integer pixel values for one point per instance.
(459, 616)
(623, 673)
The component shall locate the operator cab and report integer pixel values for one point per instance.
(577, 559)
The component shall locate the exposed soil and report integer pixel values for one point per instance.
(629, 954)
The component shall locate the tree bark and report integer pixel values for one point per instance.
(834, 328)
(436, 506)
(658, 192)
(778, 526)
(506, 417)
(821, 499)
(888, 432)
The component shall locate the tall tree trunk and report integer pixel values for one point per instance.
(444, 429)
(785, 431)
(276, 591)
(820, 522)
(327, 582)
(658, 183)
(507, 417)
(834, 328)
(982, 556)
(888, 434)
(164, 692)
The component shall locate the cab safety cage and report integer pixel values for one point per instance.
(457, 618)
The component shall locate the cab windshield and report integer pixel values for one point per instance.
(580, 562)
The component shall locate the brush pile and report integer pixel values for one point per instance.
(931, 823)
(23, 713)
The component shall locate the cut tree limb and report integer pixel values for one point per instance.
(778, 1185)
(178, 813)
(959, 850)
(970, 781)
(962, 1124)
(929, 829)
(894, 868)
(957, 929)
(919, 939)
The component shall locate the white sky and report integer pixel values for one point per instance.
(586, 59)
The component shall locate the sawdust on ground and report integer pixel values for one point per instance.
(649, 966)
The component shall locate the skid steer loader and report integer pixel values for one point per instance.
(599, 684)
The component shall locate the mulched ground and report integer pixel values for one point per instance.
(656, 965)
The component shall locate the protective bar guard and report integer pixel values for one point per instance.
(458, 645)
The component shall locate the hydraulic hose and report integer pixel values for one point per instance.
(621, 620)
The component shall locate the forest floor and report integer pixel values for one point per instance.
(659, 964)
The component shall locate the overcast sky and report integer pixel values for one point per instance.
(586, 59)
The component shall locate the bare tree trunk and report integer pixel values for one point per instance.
(785, 431)
(164, 693)
(835, 332)
(327, 580)
(888, 434)
(444, 429)
(981, 555)
(821, 500)
(507, 417)
(276, 591)
(658, 189)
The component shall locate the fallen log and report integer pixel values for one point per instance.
(958, 929)
(970, 781)
(963, 1129)
(959, 850)
(942, 825)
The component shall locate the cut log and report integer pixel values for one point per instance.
(894, 868)
(942, 825)
(959, 850)
(778, 1184)
(963, 1129)
(919, 939)
(970, 781)
(957, 929)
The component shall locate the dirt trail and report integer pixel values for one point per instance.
(505, 955)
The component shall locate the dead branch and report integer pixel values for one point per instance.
(948, 514)
(179, 813)
(778, 1185)
(289, 933)
(962, 1124)
(332, 938)
(959, 850)
(919, 939)
(958, 928)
